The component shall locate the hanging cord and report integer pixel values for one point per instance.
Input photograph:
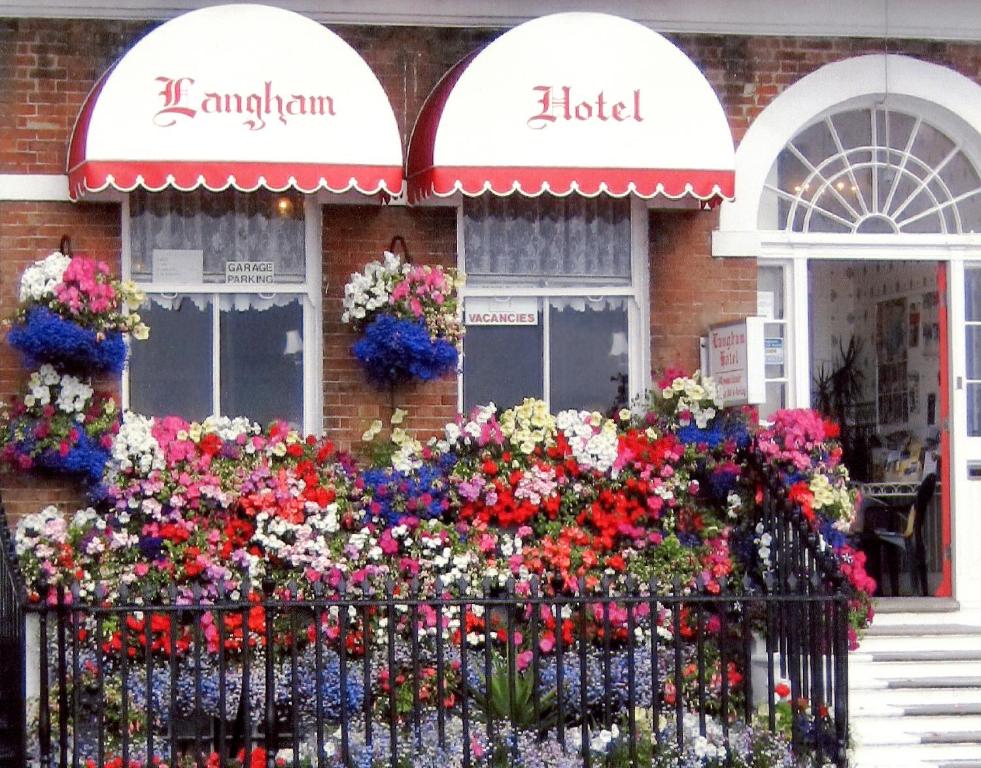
(396, 241)
(885, 52)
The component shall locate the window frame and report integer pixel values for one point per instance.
(847, 157)
(785, 321)
(310, 291)
(636, 294)
(968, 381)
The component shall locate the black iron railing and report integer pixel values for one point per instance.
(348, 676)
(12, 652)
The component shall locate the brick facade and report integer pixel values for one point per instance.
(689, 289)
(354, 235)
(27, 231)
(48, 66)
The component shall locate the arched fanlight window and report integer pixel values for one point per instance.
(872, 171)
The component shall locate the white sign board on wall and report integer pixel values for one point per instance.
(736, 361)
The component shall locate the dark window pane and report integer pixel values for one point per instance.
(262, 359)
(770, 280)
(170, 373)
(502, 364)
(972, 341)
(776, 399)
(972, 298)
(974, 410)
(588, 354)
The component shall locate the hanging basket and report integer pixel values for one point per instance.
(395, 351)
(45, 337)
(85, 459)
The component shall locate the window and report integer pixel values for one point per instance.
(771, 304)
(551, 302)
(230, 301)
(872, 171)
(972, 343)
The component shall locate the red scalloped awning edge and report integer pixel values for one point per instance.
(707, 186)
(125, 176)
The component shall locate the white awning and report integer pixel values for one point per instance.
(574, 102)
(242, 96)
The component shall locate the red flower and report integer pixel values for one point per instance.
(801, 494)
(210, 444)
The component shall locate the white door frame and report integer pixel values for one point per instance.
(951, 102)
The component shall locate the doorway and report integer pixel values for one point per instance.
(877, 343)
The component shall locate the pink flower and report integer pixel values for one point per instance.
(388, 543)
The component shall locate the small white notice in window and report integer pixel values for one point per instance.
(765, 304)
(250, 272)
(184, 267)
(502, 311)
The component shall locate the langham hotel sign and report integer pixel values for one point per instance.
(182, 99)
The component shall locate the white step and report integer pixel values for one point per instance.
(919, 642)
(940, 676)
(915, 692)
(888, 702)
(914, 756)
(911, 730)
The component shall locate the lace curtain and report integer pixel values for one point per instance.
(227, 226)
(571, 237)
(227, 302)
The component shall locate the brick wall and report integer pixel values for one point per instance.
(48, 66)
(28, 231)
(46, 70)
(749, 72)
(353, 236)
(690, 289)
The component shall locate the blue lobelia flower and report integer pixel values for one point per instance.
(394, 351)
(86, 458)
(45, 337)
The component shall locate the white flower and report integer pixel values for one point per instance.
(39, 280)
(134, 447)
(228, 429)
(74, 395)
(592, 438)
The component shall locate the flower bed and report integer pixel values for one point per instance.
(659, 501)
(578, 496)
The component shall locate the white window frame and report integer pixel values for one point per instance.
(788, 324)
(310, 290)
(636, 294)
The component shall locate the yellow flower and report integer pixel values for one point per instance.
(373, 429)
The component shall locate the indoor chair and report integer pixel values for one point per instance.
(908, 538)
